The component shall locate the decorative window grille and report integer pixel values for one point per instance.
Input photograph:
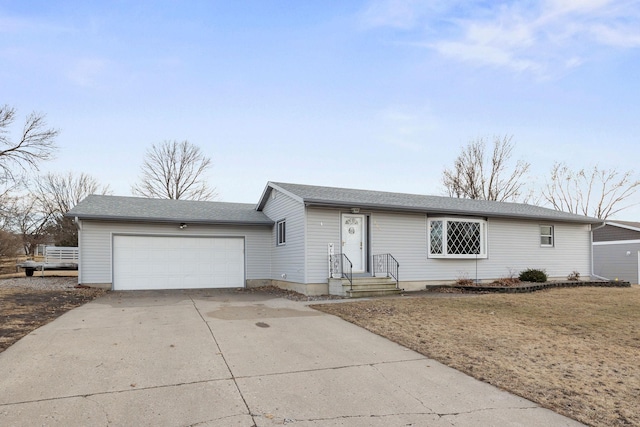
(437, 243)
(546, 235)
(457, 238)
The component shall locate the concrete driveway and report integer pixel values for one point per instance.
(222, 358)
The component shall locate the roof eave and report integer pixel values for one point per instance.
(625, 226)
(323, 203)
(167, 220)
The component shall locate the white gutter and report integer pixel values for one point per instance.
(593, 274)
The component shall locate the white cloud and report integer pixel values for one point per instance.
(484, 54)
(622, 37)
(403, 14)
(544, 37)
(391, 13)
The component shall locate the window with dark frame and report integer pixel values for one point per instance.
(546, 236)
(281, 232)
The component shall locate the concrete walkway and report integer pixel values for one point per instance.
(222, 358)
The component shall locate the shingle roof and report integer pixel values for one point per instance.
(352, 198)
(164, 210)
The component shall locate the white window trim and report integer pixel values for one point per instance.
(552, 235)
(282, 223)
(445, 255)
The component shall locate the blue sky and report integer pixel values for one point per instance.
(363, 94)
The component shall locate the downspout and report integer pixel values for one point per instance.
(593, 274)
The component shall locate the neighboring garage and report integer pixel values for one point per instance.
(159, 262)
(128, 243)
(616, 251)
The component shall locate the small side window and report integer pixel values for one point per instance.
(546, 236)
(281, 232)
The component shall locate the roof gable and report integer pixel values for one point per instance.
(368, 199)
(165, 210)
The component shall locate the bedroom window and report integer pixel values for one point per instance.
(457, 238)
(281, 232)
(546, 236)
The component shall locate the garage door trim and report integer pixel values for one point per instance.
(194, 268)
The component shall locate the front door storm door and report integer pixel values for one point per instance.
(353, 241)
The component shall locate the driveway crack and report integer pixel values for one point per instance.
(102, 408)
(233, 377)
(391, 380)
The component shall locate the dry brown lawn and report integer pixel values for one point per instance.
(24, 310)
(575, 351)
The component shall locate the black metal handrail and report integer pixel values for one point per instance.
(342, 265)
(386, 264)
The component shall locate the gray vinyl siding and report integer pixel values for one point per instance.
(512, 246)
(405, 237)
(515, 246)
(323, 227)
(287, 259)
(96, 236)
(610, 233)
(611, 261)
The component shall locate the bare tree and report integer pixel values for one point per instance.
(594, 192)
(10, 244)
(56, 194)
(35, 144)
(27, 219)
(479, 175)
(175, 170)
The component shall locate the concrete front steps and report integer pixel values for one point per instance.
(364, 287)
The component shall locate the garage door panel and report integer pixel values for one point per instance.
(167, 262)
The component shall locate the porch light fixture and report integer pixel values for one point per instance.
(355, 210)
(183, 226)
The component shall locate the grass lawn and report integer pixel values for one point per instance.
(24, 310)
(573, 350)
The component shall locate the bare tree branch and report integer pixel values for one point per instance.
(596, 192)
(36, 144)
(25, 218)
(477, 176)
(56, 194)
(175, 170)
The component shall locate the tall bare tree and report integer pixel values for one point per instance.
(36, 143)
(27, 219)
(477, 174)
(594, 192)
(175, 170)
(56, 194)
(20, 156)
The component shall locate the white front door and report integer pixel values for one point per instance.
(353, 241)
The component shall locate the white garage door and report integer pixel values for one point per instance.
(161, 262)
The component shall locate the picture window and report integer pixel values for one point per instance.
(457, 238)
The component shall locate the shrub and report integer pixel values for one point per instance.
(533, 275)
(574, 276)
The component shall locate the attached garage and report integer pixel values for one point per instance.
(129, 243)
(176, 262)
